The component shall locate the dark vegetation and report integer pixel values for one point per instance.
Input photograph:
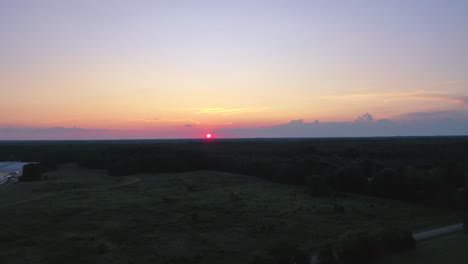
(427, 170)
(31, 172)
(283, 252)
(445, 249)
(365, 246)
(465, 221)
(203, 217)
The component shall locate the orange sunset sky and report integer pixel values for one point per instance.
(169, 69)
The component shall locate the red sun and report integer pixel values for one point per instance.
(208, 136)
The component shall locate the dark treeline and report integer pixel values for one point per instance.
(429, 170)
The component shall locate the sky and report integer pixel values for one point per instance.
(94, 69)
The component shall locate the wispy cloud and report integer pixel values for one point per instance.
(452, 98)
(434, 116)
(222, 110)
(49, 130)
(416, 96)
(162, 120)
(452, 83)
(52, 133)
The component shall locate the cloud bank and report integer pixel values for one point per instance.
(51, 133)
(412, 124)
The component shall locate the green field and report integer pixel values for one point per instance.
(452, 249)
(202, 216)
(70, 177)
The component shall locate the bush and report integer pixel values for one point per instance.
(31, 172)
(351, 247)
(365, 247)
(355, 247)
(393, 240)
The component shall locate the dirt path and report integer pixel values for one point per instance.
(127, 182)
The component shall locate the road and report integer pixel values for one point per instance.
(437, 232)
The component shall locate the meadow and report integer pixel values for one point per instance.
(192, 217)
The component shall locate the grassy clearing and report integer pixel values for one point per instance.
(451, 249)
(204, 216)
(66, 178)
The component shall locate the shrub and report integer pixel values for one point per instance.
(393, 240)
(364, 246)
(31, 172)
(355, 247)
(351, 247)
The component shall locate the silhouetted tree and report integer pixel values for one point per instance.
(31, 172)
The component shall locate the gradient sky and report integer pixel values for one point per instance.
(179, 68)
